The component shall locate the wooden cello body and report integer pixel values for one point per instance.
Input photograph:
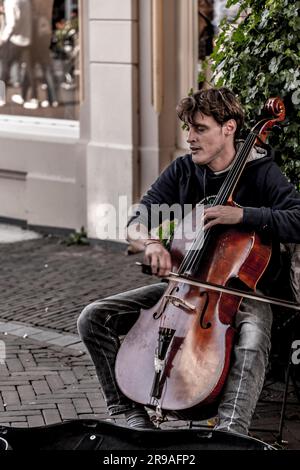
(177, 356)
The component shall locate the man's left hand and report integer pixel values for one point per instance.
(226, 215)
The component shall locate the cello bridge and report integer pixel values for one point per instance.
(178, 302)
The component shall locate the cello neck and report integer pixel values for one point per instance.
(229, 185)
(274, 107)
(193, 257)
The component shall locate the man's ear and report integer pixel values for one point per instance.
(230, 127)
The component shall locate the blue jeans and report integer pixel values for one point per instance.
(102, 322)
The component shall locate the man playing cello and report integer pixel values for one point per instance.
(267, 203)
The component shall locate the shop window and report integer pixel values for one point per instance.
(40, 58)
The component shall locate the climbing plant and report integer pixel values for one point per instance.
(258, 56)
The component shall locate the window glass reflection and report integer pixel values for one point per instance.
(39, 58)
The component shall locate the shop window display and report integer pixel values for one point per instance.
(39, 58)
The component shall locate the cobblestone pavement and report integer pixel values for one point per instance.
(48, 283)
(41, 384)
(47, 376)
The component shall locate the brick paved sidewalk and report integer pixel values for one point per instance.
(43, 384)
(48, 283)
(47, 376)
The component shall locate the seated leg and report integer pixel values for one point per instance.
(100, 325)
(247, 372)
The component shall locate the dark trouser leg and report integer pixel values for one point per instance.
(100, 325)
(247, 373)
(28, 76)
(49, 77)
(10, 54)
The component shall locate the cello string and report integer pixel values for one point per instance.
(188, 261)
(241, 163)
(237, 168)
(244, 153)
(200, 239)
(221, 199)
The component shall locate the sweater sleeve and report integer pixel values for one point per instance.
(281, 214)
(155, 205)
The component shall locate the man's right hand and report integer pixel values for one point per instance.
(159, 259)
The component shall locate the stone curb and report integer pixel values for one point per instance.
(48, 336)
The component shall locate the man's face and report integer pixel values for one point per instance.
(207, 139)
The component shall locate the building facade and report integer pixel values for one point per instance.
(137, 59)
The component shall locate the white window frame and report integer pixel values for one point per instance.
(37, 128)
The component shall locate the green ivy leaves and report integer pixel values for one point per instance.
(258, 56)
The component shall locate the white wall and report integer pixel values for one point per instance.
(48, 191)
(113, 87)
(43, 169)
(62, 176)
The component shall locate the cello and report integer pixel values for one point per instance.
(176, 357)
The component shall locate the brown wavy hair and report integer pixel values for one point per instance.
(220, 103)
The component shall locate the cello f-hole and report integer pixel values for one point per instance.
(208, 324)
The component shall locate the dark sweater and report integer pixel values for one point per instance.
(271, 204)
